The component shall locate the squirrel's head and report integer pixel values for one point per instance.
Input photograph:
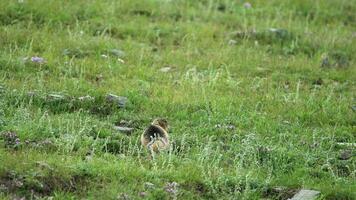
(161, 122)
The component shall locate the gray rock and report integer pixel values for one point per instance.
(86, 98)
(172, 188)
(165, 69)
(247, 5)
(55, 96)
(122, 129)
(232, 42)
(345, 144)
(123, 196)
(142, 194)
(306, 195)
(121, 101)
(117, 52)
(345, 155)
(325, 62)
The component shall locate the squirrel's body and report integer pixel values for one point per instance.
(155, 137)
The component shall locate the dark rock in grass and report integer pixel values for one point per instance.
(99, 78)
(126, 130)
(11, 139)
(279, 192)
(306, 195)
(120, 101)
(142, 13)
(279, 32)
(335, 59)
(353, 108)
(325, 61)
(269, 36)
(221, 7)
(318, 81)
(345, 154)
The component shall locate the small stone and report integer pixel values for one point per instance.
(232, 42)
(18, 183)
(345, 155)
(247, 5)
(117, 52)
(31, 93)
(123, 196)
(279, 33)
(55, 96)
(122, 129)
(345, 144)
(353, 35)
(11, 139)
(104, 56)
(325, 61)
(86, 98)
(121, 101)
(142, 194)
(120, 60)
(165, 69)
(172, 188)
(124, 123)
(230, 127)
(149, 186)
(306, 195)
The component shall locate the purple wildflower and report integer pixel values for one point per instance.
(38, 60)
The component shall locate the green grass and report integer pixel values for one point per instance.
(249, 110)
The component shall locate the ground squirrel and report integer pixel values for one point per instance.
(155, 137)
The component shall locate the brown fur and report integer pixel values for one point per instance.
(155, 137)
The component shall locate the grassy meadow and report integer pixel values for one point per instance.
(258, 95)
